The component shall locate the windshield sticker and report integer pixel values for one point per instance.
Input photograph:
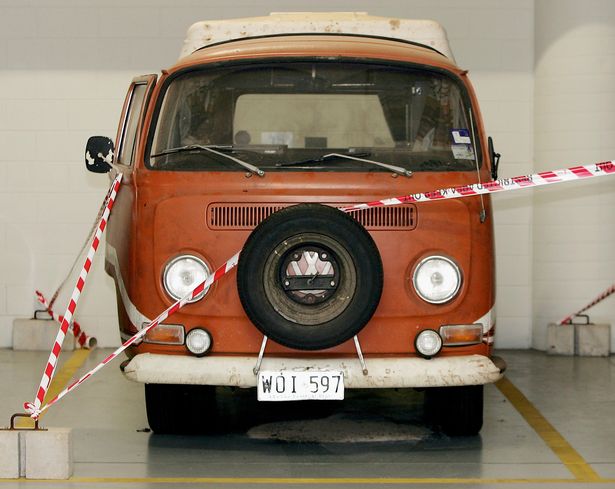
(461, 136)
(462, 151)
(277, 138)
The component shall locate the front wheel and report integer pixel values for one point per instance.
(458, 411)
(170, 408)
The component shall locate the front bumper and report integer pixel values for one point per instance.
(386, 372)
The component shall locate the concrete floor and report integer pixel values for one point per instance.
(372, 438)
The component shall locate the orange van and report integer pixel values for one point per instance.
(252, 141)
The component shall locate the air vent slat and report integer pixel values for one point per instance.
(247, 216)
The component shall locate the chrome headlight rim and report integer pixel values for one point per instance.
(172, 262)
(456, 268)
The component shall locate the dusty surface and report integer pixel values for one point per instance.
(379, 435)
(340, 428)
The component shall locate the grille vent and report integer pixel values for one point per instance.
(247, 216)
(402, 217)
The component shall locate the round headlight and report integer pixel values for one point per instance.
(182, 274)
(428, 343)
(198, 341)
(437, 279)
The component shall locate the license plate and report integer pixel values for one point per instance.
(299, 386)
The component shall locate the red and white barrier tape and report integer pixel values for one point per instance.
(82, 338)
(600, 298)
(70, 310)
(90, 235)
(211, 279)
(502, 185)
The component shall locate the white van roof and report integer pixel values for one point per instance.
(427, 32)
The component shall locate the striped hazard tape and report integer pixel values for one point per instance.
(501, 185)
(211, 279)
(72, 305)
(103, 206)
(82, 338)
(600, 298)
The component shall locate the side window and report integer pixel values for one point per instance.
(131, 123)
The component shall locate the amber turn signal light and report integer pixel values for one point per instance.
(165, 334)
(461, 334)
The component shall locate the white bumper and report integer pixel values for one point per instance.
(382, 372)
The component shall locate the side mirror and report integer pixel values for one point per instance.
(495, 159)
(99, 154)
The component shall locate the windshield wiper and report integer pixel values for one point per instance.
(396, 169)
(215, 149)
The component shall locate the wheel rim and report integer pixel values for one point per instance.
(309, 274)
(309, 279)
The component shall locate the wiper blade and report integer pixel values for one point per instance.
(317, 159)
(397, 169)
(215, 149)
(356, 156)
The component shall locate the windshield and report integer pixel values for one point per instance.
(286, 116)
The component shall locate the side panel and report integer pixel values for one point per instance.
(121, 233)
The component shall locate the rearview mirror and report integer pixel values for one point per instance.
(99, 154)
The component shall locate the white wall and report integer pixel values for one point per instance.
(64, 68)
(574, 256)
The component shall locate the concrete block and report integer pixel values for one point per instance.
(560, 339)
(22, 454)
(49, 454)
(38, 334)
(9, 454)
(593, 340)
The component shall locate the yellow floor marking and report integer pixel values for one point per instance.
(60, 380)
(556, 442)
(307, 480)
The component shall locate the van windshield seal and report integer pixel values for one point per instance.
(277, 114)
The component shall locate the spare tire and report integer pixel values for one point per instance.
(309, 277)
